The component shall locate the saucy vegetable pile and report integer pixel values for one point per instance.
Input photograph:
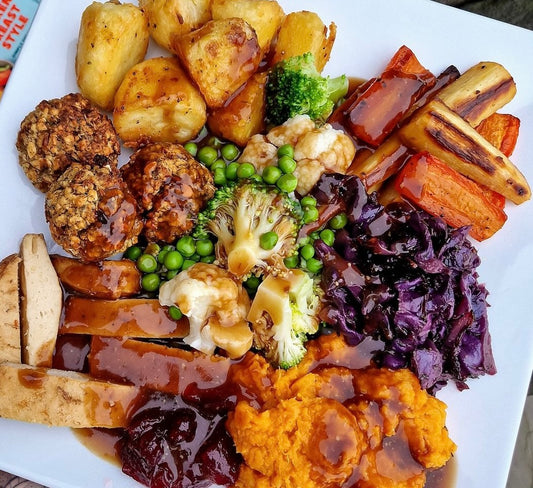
(272, 287)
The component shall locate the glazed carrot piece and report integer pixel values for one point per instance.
(378, 106)
(441, 191)
(501, 130)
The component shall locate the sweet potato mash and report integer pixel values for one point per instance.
(325, 423)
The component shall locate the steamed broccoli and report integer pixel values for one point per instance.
(295, 87)
(283, 313)
(242, 216)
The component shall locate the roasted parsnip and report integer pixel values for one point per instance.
(440, 131)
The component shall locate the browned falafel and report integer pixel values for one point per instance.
(91, 212)
(170, 186)
(62, 131)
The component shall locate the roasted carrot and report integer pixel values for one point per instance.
(441, 191)
(381, 103)
(501, 130)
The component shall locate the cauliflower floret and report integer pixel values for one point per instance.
(259, 152)
(216, 306)
(316, 150)
(290, 131)
(332, 149)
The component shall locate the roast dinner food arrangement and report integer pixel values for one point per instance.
(273, 287)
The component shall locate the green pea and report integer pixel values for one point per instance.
(268, 240)
(133, 253)
(161, 256)
(245, 170)
(256, 177)
(310, 215)
(215, 142)
(219, 177)
(252, 283)
(286, 150)
(146, 263)
(171, 273)
(207, 155)
(219, 163)
(231, 171)
(173, 260)
(338, 221)
(229, 152)
(314, 265)
(191, 148)
(291, 261)
(271, 174)
(328, 236)
(150, 282)
(186, 246)
(187, 264)
(287, 183)
(307, 251)
(204, 247)
(208, 259)
(175, 313)
(286, 164)
(313, 236)
(308, 201)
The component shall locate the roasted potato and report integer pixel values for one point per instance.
(220, 57)
(243, 116)
(169, 18)
(113, 37)
(157, 102)
(303, 32)
(264, 16)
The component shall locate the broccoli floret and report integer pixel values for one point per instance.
(239, 215)
(283, 313)
(295, 87)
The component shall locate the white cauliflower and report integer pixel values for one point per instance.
(290, 131)
(316, 150)
(216, 306)
(332, 149)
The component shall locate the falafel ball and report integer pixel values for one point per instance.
(62, 131)
(91, 212)
(170, 186)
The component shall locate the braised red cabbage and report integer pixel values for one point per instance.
(404, 278)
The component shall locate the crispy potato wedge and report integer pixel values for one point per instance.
(243, 115)
(264, 16)
(129, 317)
(10, 349)
(113, 37)
(173, 18)
(41, 302)
(106, 279)
(302, 32)
(220, 57)
(155, 366)
(62, 398)
(157, 102)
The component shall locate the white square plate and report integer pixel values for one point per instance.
(482, 420)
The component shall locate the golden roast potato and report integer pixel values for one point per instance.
(169, 18)
(244, 115)
(303, 32)
(220, 56)
(264, 16)
(157, 102)
(113, 37)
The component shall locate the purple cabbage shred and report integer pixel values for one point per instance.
(405, 278)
